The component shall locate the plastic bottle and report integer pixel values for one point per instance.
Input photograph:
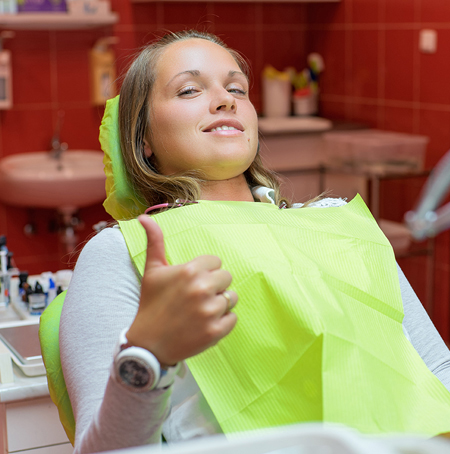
(5, 73)
(24, 286)
(51, 291)
(37, 300)
(4, 278)
(103, 71)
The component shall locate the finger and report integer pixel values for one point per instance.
(230, 298)
(226, 323)
(220, 279)
(206, 263)
(156, 252)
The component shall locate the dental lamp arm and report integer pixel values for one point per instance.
(425, 221)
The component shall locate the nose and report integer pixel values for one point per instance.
(223, 101)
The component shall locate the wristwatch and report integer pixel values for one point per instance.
(138, 370)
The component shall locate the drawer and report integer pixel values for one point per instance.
(56, 449)
(33, 424)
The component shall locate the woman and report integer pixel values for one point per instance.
(188, 131)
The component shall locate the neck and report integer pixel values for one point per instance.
(235, 189)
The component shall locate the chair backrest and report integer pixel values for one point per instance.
(49, 339)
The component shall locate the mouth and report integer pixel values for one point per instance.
(225, 126)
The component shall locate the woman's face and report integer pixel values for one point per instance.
(201, 117)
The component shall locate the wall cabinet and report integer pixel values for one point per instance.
(300, 162)
(32, 427)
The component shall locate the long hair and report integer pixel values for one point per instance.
(134, 126)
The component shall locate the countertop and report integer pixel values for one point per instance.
(288, 126)
(24, 387)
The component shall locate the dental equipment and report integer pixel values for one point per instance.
(425, 220)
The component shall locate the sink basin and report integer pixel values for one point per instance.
(38, 180)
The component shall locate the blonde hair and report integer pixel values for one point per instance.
(134, 126)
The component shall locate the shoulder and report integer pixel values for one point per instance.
(105, 245)
(328, 202)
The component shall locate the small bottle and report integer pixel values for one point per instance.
(5, 73)
(37, 300)
(24, 286)
(4, 278)
(51, 295)
(103, 71)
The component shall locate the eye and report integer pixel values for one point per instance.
(188, 91)
(238, 91)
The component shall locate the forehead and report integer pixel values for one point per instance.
(194, 54)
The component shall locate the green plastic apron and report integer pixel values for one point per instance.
(319, 334)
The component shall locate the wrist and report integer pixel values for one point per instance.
(138, 370)
(132, 335)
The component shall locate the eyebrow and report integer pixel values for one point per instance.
(196, 73)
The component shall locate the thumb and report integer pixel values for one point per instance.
(156, 252)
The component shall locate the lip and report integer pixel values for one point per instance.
(225, 122)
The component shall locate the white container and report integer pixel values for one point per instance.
(371, 148)
(276, 97)
(8, 6)
(63, 278)
(305, 105)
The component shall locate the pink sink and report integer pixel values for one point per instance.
(37, 180)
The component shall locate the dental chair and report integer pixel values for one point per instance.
(121, 203)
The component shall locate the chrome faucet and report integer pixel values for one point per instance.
(57, 148)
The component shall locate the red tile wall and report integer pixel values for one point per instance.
(51, 73)
(376, 74)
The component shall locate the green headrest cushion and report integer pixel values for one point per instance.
(121, 202)
(49, 339)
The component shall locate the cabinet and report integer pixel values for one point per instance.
(299, 161)
(32, 426)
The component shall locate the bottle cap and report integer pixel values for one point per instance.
(38, 288)
(23, 277)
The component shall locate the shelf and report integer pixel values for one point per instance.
(55, 21)
(242, 1)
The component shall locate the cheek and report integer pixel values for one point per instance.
(174, 124)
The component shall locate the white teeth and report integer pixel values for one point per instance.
(223, 128)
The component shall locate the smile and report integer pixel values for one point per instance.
(225, 131)
(224, 128)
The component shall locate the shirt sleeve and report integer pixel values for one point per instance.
(422, 333)
(103, 299)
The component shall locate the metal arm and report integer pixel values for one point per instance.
(425, 221)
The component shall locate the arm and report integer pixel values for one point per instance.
(177, 312)
(102, 300)
(423, 334)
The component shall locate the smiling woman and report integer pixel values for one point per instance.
(150, 343)
(191, 84)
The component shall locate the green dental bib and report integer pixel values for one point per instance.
(319, 334)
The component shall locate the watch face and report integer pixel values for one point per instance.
(134, 374)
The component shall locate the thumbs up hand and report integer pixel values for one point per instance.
(183, 309)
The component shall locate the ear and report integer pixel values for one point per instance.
(147, 149)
